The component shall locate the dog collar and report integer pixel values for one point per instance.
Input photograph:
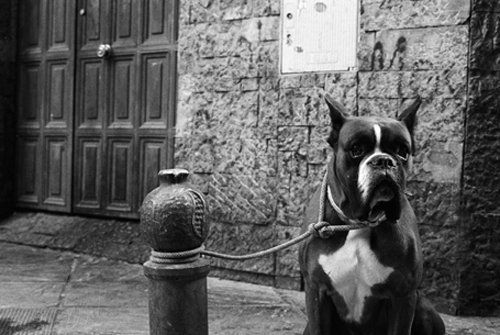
(326, 189)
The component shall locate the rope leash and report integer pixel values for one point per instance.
(321, 229)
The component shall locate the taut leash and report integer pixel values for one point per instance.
(321, 228)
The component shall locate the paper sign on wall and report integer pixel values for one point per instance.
(319, 35)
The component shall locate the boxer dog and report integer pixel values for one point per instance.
(365, 281)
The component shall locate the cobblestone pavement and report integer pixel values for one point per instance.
(44, 291)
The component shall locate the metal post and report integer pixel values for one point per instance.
(172, 222)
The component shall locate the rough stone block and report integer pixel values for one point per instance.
(235, 9)
(439, 140)
(480, 275)
(266, 7)
(449, 83)
(486, 5)
(318, 148)
(242, 199)
(194, 147)
(292, 107)
(201, 11)
(184, 13)
(249, 84)
(297, 183)
(441, 267)
(430, 85)
(287, 261)
(379, 84)
(343, 88)
(378, 107)
(485, 41)
(269, 102)
(382, 15)
(419, 49)
(293, 138)
(267, 60)
(435, 204)
(482, 138)
(247, 154)
(269, 28)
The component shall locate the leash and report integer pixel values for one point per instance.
(321, 228)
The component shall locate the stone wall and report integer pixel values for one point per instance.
(480, 269)
(255, 140)
(7, 102)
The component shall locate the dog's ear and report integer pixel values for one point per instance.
(338, 117)
(409, 115)
(409, 118)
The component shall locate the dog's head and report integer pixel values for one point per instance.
(372, 159)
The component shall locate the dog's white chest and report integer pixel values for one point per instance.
(353, 270)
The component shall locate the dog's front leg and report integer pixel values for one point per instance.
(402, 313)
(320, 310)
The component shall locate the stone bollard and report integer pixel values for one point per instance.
(172, 222)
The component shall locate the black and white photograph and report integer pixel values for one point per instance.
(250, 167)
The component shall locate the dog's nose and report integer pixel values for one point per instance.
(382, 162)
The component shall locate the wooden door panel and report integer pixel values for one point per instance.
(28, 151)
(31, 25)
(59, 34)
(56, 170)
(87, 176)
(155, 74)
(59, 94)
(153, 159)
(125, 23)
(45, 103)
(122, 93)
(91, 97)
(30, 95)
(159, 21)
(119, 174)
(93, 30)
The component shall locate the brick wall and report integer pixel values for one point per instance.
(7, 100)
(255, 140)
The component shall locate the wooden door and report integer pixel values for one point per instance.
(45, 104)
(94, 132)
(124, 102)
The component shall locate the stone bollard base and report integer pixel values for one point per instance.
(178, 297)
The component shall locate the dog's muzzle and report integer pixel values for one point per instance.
(374, 170)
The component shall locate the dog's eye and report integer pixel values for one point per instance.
(357, 151)
(403, 152)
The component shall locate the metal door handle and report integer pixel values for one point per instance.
(104, 51)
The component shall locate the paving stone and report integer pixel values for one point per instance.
(229, 293)
(255, 320)
(57, 270)
(98, 270)
(105, 294)
(102, 321)
(22, 294)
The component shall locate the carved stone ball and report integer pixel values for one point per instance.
(173, 214)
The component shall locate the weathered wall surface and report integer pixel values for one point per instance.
(256, 140)
(7, 100)
(480, 270)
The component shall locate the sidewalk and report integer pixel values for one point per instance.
(44, 291)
